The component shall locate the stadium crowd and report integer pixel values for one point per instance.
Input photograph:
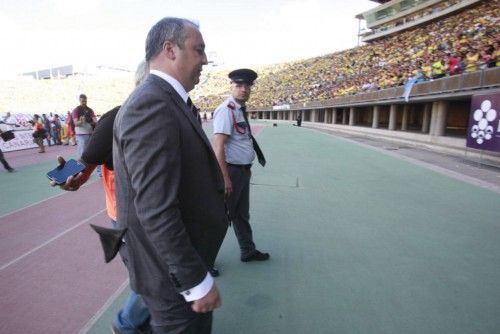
(463, 42)
(29, 96)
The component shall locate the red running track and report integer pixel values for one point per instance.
(53, 277)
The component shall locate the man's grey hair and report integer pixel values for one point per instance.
(141, 73)
(167, 29)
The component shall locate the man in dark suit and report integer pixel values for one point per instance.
(169, 188)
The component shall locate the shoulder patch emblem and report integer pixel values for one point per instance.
(231, 105)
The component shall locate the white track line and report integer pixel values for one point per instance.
(43, 200)
(103, 309)
(50, 240)
(442, 170)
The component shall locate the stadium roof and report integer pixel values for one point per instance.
(391, 17)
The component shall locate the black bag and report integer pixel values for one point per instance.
(7, 135)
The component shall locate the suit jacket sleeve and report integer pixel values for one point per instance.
(151, 144)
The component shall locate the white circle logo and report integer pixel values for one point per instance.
(482, 130)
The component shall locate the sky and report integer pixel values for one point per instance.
(39, 34)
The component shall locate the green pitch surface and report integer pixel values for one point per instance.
(360, 242)
(27, 186)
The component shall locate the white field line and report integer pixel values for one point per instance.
(43, 200)
(103, 309)
(50, 240)
(444, 171)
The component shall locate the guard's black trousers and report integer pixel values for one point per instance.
(239, 207)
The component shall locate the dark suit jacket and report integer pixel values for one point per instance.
(170, 191)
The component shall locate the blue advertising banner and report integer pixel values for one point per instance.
(484, 123)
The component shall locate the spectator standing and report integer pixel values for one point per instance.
(453, 64)
(427, 69)
(39, 132)
(438, 68)
(47, 127)
(85, 120)
(299, 118)
(471, 60)
(484, 59)
(7, 119)
(495, 55)
(56, 129)
(70, 129)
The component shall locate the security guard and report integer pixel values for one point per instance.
(234, 148)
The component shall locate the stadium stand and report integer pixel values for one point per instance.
(463, 42)
(27, 95)
(466, 41)
(450, 58)
(399, 15)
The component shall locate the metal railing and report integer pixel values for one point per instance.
(465, 84)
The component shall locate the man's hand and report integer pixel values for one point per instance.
(210, 302)
(80, 120)
(73, 183)
(61, 161)
(218, 146)
(228, 187)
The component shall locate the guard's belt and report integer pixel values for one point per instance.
(240, 166)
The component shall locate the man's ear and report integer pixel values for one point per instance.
(169, 49)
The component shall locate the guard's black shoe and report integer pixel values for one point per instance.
(255, 256)
(214, 272)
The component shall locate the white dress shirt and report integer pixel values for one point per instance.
(204, 287)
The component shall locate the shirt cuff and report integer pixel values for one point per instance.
(200, 290)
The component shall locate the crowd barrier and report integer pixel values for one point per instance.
(459, 85)
(23, 140)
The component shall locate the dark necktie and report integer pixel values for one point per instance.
(194, 110)
(258, 151)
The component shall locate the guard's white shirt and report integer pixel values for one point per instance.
(229, 120)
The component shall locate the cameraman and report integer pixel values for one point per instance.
(85, 120)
